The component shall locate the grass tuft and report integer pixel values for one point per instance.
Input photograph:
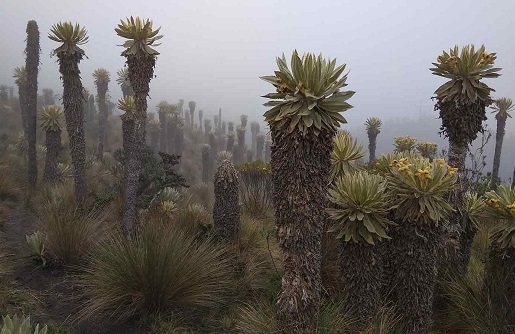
(162, 269)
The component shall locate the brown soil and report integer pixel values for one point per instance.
(52, 288)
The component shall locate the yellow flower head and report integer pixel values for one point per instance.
(452, 171)
(440, 162)
(511, 207)
(493, 202)
(423, 174)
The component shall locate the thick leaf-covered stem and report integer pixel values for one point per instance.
(456, 158)
(230, 142)
(300, 168)
(102, 119)
(127, 142)
(226, 210)
(74, 116)
(22, 93)
(260, 143)
(141, 71)
(268, 151)
(179, 140)
(171, 132)
(206, 165)
(499, 138)
(32, 65)
(53, 147)
(372, 144)
(412, 272)
(361, 270)
(154, 140)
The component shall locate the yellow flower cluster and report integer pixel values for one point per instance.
(511, 207)
(450, 170)
(402, 165)
(424, 173)
(486, 57)
(493, 202)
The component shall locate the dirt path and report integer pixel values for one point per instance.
(52, 288)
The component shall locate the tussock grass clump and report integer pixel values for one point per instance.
(69, 234)
(161, 269)
(469, 307)
(259, 317)
(11, 184)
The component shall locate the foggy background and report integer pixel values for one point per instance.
(214, 51)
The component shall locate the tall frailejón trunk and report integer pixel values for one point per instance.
(141, 71)
(456, 158)
(171, 132)
(74, 116)
(260, 143)
(372, 144)
(102, 118)
(127, 142)
(499, 138)
(361, 269)
(179, 140)
(300, 168)
(192, 118)
(53, 147)
(268, 150)
(22, 92)
(206, 164)
(31, 65)
(226, 210)
(412, 260)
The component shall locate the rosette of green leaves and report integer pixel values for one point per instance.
(101, 76)
(309, 95)
(224, 155)
(345, 152)
(170, 194)
(128, 105)
(501, 207)
(359, 208)
(123, 77)
(373, 125)
(20, 75)
(473, 210)
(70, 36)
(20, 325)
(383, 165)
(420, 194)
(465, 70)
(51, 117)
(140, 35)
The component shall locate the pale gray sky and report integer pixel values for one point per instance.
(214, 51)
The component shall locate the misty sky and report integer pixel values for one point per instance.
(214, 51)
